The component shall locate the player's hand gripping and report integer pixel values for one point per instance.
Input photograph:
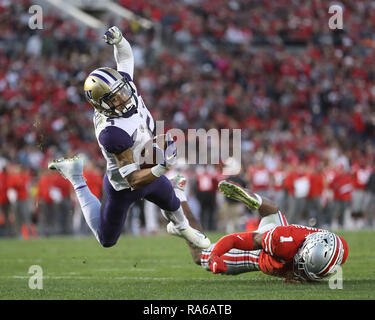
(217, 264)
(168, 156)
(113, 35)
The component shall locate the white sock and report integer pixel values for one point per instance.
(177, 217)
(90, 206)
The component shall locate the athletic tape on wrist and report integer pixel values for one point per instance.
(128, 169)
(158, 170)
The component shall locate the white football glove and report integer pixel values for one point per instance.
(113, 35)
(170, 153)
(167, 157)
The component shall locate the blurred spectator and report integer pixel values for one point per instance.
(342, 187)
(370, 209)
(5, 221)
(314, 206)
(60, 193)
(46, 203)
(206, 187)
(361, 174)
(230, 211)
(301, 187)
(259, 177)
(18, 184)
(279, 193)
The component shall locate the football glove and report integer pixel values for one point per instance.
(167, 157)
(170, 153)
(217, 264)
(113, 36)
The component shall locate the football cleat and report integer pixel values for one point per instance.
(178, 182)
(69, 168)
(235, 192)
(195, 237)
(171, 229)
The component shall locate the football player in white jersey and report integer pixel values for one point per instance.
(123, 126)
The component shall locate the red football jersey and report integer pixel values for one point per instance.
(280, 244)
(283, 242)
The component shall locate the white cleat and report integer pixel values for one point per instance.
(195, 237)
(69, 168)
(171, 229)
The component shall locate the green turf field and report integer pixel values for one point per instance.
(160, 267)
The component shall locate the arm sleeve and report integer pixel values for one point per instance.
(242, 241)
(115, 140)
(124, 57)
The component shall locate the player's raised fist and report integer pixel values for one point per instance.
(113, 35)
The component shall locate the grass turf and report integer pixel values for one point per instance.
(161, 268)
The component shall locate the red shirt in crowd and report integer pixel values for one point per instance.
(316, 184)
(206, 181)
(3, 188)
(94, 181)
(342, 186)
(19, 182)
(45, 184)
(290, 178)
(361, 177)
(278, 179)
(259, 177)
(63, 185)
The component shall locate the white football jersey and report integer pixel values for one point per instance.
(139, 127)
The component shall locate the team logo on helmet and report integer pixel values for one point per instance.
(110, 93)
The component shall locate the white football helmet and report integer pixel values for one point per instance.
(319, 256)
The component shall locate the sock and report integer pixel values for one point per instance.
(90, 206)
(177, 217)
(243, 241)
(78, 181)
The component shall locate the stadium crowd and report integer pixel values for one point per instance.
(303, 96)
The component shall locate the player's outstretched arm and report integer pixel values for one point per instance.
(252, 200)
(244, 241)
(122, 50)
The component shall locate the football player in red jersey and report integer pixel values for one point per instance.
(293, 252)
